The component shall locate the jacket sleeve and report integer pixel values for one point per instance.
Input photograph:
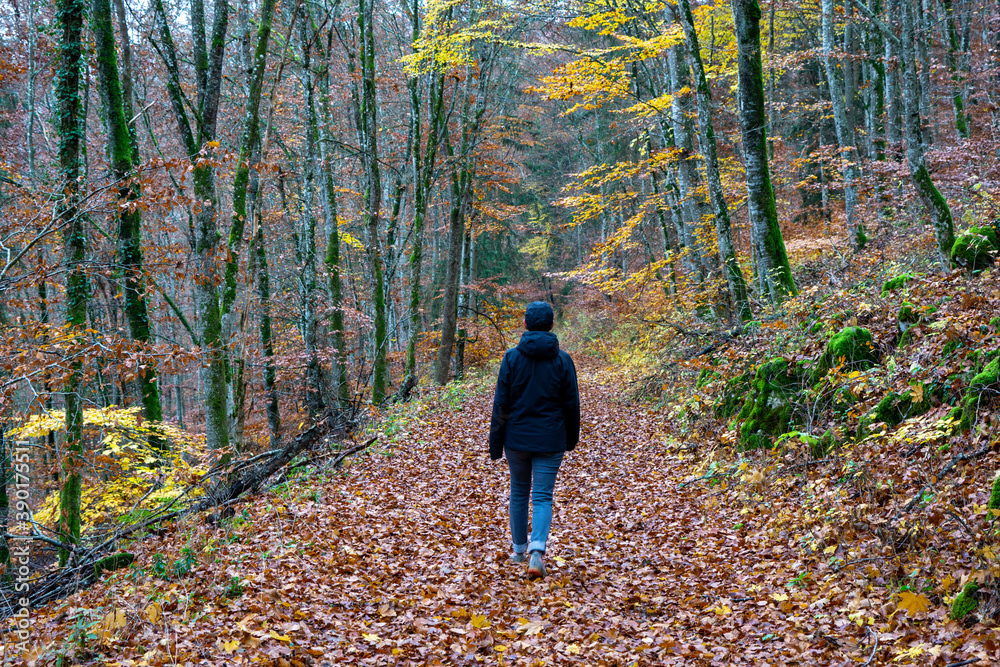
(571, 406)
(501, 408)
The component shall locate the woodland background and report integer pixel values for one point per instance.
(225, 224)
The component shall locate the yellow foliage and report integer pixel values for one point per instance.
(132, 469)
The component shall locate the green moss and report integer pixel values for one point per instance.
(853, 346)
(893, 284)
(988, 378)
(732, 397)
(767, 411)
(989, 232)
(705, 376)
(894, 408)
(974, 250)
(994, 503)
(112, 563)
(907, 314)
(965, 602)
(995, 323)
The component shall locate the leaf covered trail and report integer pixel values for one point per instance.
(402, 559)
(417, 554)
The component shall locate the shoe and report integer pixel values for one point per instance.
(518, 558)
(536, 568)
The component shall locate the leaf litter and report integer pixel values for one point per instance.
(402, 559)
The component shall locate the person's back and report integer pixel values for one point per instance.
(536, 419)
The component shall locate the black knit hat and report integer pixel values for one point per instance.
(538, 316)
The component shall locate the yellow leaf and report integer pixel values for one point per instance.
(479, 621)
(500, 649)
(779, 597)
(573, 649)
(913, 603)
(722, 610)
(153, 612)
(230, 646)
(374, 639)
(830, 549)
(911, 652)
(280, 638)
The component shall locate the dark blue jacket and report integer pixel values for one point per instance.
(536, 407)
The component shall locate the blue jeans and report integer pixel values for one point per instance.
(535, 473)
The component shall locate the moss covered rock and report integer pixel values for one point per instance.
(965, 602)
(896, 282)
(767, 411)
(985, 383)
(994, 502)
(733, 395)
(975, 249)
(894, 408)
(854, 346)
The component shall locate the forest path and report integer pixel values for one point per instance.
(640, 570)
(402, 558)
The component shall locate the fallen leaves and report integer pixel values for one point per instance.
(404, 562)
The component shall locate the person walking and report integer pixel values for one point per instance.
(536, 420)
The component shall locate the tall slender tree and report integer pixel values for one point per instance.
(311, 179)
(706, 136)
(844, 128)
(123, 159)
(70, 114)
(366, 123)
(772, 258)
(208, 61)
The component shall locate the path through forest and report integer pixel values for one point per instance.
(402, 559)
(412, 556)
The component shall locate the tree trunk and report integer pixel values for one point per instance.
(463, 304)
(245, 163)
(456, 235)
(367, 120)
(208, 78)
(706, 135)
(307, 233)
(692, 206)
(933, 200)
(957, 80)
(123, 160)
(772, 258)
(70, 114)
(893, 95)
(423, 170)
(332, 257)
(845, 131)
(922, 63)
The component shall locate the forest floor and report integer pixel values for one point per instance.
(401, 558)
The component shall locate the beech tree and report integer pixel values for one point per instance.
(706, 134)
(199, 140)
(70, 15)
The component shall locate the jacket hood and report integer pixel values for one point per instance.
(538, 344)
